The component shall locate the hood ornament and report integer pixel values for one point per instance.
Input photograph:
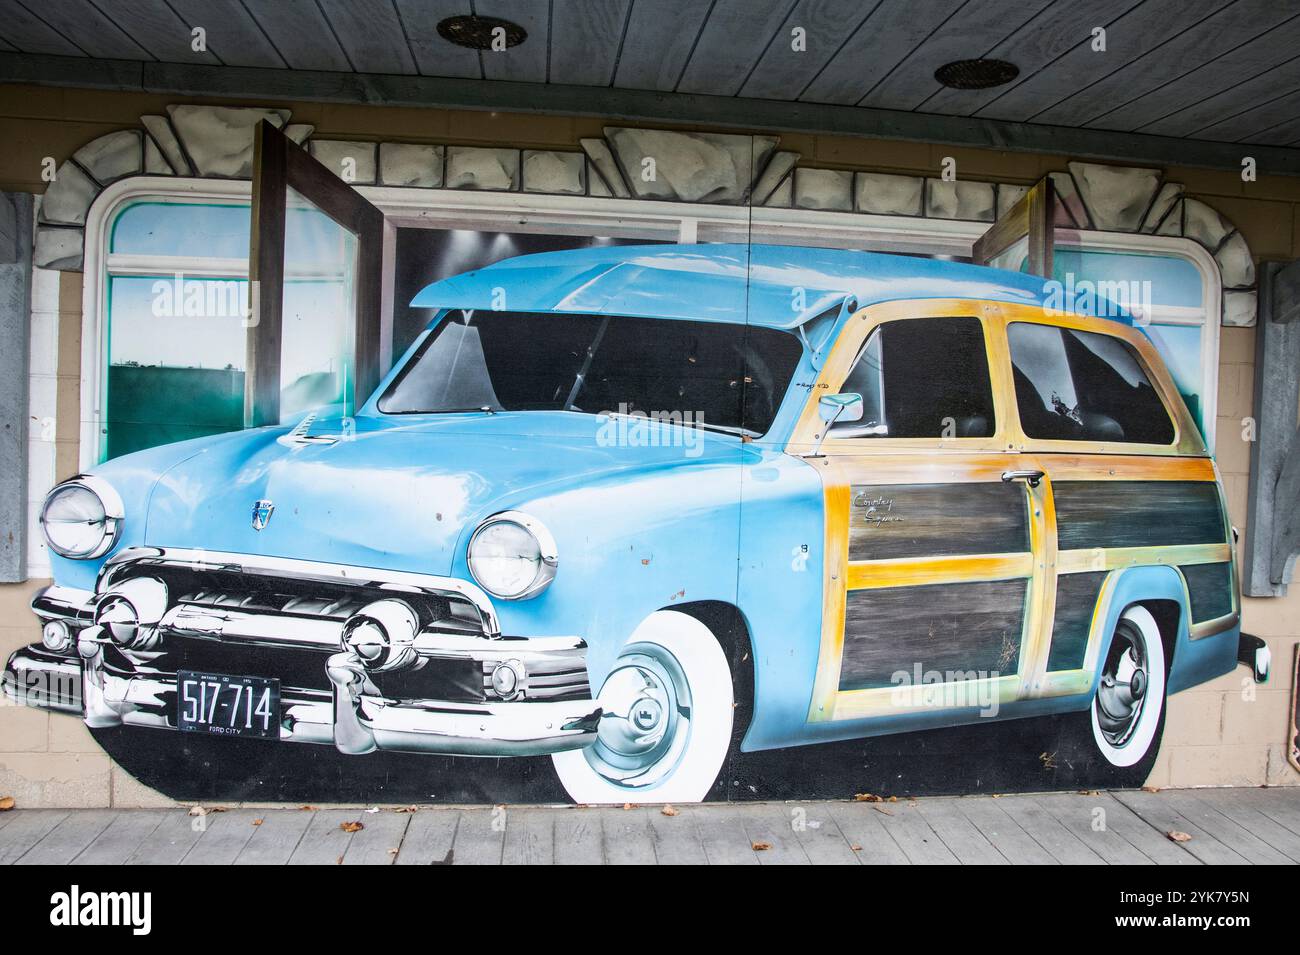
(262, 511)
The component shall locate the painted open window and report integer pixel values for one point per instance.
(1168, 297)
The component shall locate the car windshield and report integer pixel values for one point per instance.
(713, 375)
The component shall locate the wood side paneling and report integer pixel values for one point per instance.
(1076, 599)
(937, 520)
(1137, 513)
(941, 627)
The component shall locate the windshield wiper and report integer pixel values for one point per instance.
(725, 429)
(586, 367)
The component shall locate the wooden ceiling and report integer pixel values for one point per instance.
(1226, 71)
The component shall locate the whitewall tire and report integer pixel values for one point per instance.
(666, 726)
(1127, 710)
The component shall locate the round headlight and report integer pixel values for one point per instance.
(82, 518)
(512, 556)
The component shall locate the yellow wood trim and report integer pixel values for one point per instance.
(834, 597)
(1119, 467)
(927, 467)
(1066, 683)
(918, 571)
(1042, 588)
(1116, 558)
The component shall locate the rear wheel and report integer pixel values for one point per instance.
(666, 726)
(1127, 714)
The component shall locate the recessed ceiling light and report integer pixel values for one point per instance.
(479, 33)
(976, 74)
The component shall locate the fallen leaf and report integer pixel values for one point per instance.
(1151, 789)
(867, 797)
(205, 810)
(668, 811)
(1048, 760)
(351, 826)
(393, 852)
(338, 861)
(887, 812)
(258, 822)
(892, 799)
(1089, 792)
(6, 803)
(1179, 836)
(307, 808)
(855, 847)
(407, 809)
(627, 805)
(761, 846)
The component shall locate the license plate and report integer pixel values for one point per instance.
(226, 705)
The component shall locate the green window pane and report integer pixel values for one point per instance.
(175, 360)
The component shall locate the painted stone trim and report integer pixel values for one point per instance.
(719, 168)
(553, 172)
(688, 167)
(882, 194)
(411, 165)
(774, 176)
(353, 162)
(959, 199)
(1116, 196)
(219, 139)
(829, 190)
(471, 167)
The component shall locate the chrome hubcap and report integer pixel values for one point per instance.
(646, 720)
(1123, 687)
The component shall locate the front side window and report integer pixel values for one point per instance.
(1073, 385)
(922, 378)
(729, 377)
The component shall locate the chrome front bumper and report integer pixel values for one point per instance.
(360, 708)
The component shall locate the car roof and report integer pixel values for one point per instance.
(719, 282)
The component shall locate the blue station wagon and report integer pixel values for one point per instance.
(631, 508)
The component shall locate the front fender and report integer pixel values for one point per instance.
(628, 544)
(1194, 661)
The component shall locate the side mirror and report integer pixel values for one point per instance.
(834, 409)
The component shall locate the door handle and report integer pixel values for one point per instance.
(1030, 476)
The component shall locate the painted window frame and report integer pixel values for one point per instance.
(405, 207)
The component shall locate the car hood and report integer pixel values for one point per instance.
(396, 492)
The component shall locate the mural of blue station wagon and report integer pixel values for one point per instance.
(632, 509)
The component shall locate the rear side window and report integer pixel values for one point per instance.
(922, 378)
(1081, 386)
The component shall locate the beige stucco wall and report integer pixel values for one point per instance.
(1223, 733)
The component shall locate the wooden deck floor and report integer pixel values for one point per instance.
(1226, 826)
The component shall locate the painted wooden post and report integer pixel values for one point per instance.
(15, 334)
(1032, 218)
(1273, 528)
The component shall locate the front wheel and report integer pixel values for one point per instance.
(666, 726)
